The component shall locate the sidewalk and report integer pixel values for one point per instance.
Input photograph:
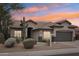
(42, 53)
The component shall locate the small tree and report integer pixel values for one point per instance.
(5, 17)
(24, 26)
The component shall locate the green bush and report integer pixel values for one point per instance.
(2, 40)
(10, 42)
(28, 43)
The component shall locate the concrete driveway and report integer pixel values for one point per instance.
(71, 43)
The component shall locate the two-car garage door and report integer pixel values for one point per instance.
(63, 36)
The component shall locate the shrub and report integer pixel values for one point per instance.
(35, 41)
(48, 42)
(44, 40)
(28, 43)
(18, 40)
(2, 40)
(10, 42)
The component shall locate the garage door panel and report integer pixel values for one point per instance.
(63, 36)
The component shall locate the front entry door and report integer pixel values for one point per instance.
(29, 32)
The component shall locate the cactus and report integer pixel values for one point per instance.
(23, 25)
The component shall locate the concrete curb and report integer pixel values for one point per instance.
(42, 53)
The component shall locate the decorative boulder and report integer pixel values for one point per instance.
(10, 42)
(28, 43)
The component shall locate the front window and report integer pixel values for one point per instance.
(47, 35)
(17, 34)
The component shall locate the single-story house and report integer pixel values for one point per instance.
(57, 31)
(77, 33)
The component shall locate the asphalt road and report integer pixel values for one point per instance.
(71, 54)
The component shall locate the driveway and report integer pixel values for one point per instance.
(71, 43)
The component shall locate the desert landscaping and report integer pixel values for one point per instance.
(38, 47)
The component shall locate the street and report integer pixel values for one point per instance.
(70, 54)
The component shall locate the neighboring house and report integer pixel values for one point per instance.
(58, 31)
(77, 33)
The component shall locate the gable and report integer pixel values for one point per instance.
(63, 22)
(31, 23)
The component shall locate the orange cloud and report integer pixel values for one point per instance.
(71, 16)
(30, 10)
(34, 9)
(51, 16)
(57, 16)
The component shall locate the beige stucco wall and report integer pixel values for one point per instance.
(38, 33)
(26, 32)
(12, 33)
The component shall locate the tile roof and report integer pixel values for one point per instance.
(61, 21)
(42, 25)
(16, 24)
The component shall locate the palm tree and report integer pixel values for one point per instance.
(5, 16)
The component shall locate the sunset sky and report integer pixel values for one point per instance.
(49, 12)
